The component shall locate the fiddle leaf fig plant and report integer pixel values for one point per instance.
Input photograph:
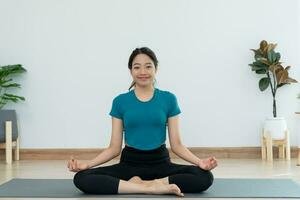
(267, 63)
(6, 72)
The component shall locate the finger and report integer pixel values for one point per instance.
(69, 164)
(73, 165)
(76, 165)
(214, 166)
(207, 166)
(72, 162)
(213, 163)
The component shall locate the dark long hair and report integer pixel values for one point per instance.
(142, 50)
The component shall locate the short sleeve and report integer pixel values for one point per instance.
(116, 109)
(173, 106)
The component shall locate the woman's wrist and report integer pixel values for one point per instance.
(89, 165)
(198, 162)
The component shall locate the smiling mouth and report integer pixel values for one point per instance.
(143, 77)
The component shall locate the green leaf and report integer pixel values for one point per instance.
(10, 70)
(3, 81)
(6, 83)
(261, 71)
(264, 83)
(258, 57)
(271, 56)
(12, 85)
(258, 65)
(254, 67)
(13, 96)
(277, 57)
(10, 99)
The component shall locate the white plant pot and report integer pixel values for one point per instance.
(276, 126)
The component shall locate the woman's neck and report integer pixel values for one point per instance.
(144, 90)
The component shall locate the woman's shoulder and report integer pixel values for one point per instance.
(121, 96)
(166, 93)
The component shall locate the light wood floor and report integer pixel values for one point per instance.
(228, 168)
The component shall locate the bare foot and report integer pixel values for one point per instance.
(154, 181)
(136, 179)
(157, 187)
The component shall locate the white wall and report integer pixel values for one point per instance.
(76, 54)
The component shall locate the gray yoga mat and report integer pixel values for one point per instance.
(222, 188)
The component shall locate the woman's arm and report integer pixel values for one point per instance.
(183, 152)
(175, 142)
(115, 146)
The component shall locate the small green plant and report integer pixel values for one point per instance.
(267, 62)
(6, 72)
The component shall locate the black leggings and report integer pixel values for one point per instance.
(148, 165)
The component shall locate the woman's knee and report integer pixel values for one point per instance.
(198, 180)
(79, 179)
(206, 179)
(203, 179)
(90, 183)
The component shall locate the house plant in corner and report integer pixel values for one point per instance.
(267, 63)
(6, 74)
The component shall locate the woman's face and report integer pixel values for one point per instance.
(143, 70)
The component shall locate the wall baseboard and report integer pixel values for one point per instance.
(201, 152)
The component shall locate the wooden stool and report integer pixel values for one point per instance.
(298, 162)
(267, 146)
(10, 144)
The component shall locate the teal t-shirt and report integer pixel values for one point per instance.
(145, 122)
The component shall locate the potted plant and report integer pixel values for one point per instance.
(267, 63)
(6, 74)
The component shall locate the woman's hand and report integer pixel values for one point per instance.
(208, 163)
(76, 166)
